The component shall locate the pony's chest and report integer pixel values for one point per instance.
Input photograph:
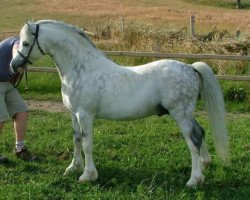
(78, 97)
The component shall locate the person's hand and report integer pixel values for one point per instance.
(21, 69)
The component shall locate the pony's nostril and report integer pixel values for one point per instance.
(12, 70)
(14, 66)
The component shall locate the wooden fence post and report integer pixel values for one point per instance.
(192, 21)
(237, 34)
(122, 25)
(156, 47)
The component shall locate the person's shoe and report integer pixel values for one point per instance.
(24, 154)
(3, 159)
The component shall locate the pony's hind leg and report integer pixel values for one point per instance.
(77, 161)
(197, 135)
(193, 136)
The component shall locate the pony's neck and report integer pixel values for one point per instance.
(70, 50)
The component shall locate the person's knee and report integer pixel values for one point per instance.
(21, 116)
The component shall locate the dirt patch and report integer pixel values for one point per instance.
(50, 106)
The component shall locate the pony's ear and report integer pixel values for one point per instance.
(31, 27)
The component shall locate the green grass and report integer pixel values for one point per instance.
(141, 159)
(41, 86)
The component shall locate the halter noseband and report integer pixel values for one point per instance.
(35, 40)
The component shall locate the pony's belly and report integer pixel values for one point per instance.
(122, 116)
(127, 112)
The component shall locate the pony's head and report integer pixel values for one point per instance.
(29, 48)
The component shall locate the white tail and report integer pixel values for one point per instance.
(214, 102)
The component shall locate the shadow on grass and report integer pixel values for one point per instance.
(115, 177)
(231, 186)
(9, 164)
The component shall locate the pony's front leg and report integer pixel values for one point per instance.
(77, 162)
(86, 124)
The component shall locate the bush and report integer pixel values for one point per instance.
(235, 92)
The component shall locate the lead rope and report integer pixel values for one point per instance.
(26, 78)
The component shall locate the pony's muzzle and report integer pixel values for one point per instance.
(17, 66)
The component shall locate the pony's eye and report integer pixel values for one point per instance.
(25, 44)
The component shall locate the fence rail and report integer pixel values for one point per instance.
(167, 55)
(177, 55)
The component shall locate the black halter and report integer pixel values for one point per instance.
(35, 40)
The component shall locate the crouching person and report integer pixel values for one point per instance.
(12, 105)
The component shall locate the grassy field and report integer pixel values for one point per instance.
(89, 13)
(141, 159)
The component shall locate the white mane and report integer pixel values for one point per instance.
(68, 27)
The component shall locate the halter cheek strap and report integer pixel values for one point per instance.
(26, 60)
(36, 39)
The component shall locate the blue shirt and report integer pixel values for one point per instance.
(6, 47)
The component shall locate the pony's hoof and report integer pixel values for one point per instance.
(88, 176)
(195, 181)
(67, 172)
(73, 168)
